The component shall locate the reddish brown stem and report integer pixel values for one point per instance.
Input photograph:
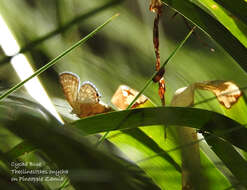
(156, 7)
(156, 41)
(159, 78)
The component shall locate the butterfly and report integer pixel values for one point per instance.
(85, 100)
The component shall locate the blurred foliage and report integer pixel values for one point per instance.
(122, 53)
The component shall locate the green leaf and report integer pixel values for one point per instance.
(147, 145)
(154, 74)
(191, 162)
(166, 116)
(215, 123)
(10, 108)
(80, 18)
(34, 124)
(6, 177)
(71, 152)
(56, 59)
(234, 25)
(238, 8)
(20, 149)
(212, 27)
(230, 157)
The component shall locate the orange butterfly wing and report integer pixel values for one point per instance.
(84, 101)
(88, 98)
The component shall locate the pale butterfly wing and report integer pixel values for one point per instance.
(84, 101)
(88, 94)
(70, 84)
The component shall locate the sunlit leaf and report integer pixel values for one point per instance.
(213, 28)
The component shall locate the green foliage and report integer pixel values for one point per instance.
(135, 155)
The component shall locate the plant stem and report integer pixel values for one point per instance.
(150, 80)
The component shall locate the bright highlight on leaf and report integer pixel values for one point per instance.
(184, 97)
(214, 6)
(124, 95)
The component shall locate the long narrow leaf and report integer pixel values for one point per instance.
(213, 28)
(230, 157)
(180, 45)
(192, 117)
(55, 60)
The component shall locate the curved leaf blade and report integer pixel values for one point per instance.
(230, 157)
(213, 28)
(212, 122)
(87, 166)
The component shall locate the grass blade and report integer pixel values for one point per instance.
(62, 28)
(150, 80)
(230, 157)
(55, 60)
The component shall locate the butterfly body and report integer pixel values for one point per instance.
(84, 98)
